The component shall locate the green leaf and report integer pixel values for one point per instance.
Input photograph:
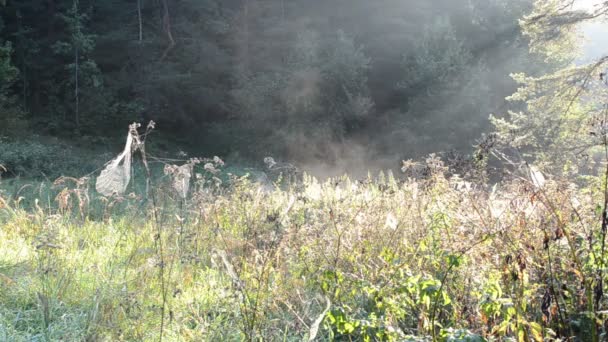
(521, 334)
(454, 260)
(349, 327)
(537, 331)
(446, 299)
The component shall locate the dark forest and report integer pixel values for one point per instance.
(345, 84)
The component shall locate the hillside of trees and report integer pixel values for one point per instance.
(306, 81)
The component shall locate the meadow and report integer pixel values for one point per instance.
(384, 258)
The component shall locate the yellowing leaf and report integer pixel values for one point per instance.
(537, 331)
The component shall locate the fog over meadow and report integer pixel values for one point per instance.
(331, 86)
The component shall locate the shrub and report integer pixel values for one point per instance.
(380, 259)
(35, 158)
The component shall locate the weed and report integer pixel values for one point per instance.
(227, 258)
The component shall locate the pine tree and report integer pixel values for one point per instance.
(559, 124)
(84, 73)
(10, 114)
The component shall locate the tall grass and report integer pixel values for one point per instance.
(374, 259)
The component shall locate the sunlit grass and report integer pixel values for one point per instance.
(395, 259)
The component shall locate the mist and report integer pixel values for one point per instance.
(331, 86)
(366, 85)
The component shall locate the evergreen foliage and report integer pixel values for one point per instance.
(562, 114)
(270, 76)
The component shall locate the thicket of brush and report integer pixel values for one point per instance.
(379, 259)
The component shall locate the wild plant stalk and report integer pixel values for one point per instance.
(551, 207)
(158, 239)
(236, 276)
(453, 264)
(552, 290)
(158, 244)
(598, 290)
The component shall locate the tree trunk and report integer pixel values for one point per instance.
(22, 55)
(167, 27)
(140, 21)
(76, 90)
(50, 17)
(24, 83)
(246, 33)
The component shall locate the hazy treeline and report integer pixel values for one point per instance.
(306, 80)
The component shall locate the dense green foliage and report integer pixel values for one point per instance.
(303, 80)
(9, 112)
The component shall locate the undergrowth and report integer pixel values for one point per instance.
(377, 259)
